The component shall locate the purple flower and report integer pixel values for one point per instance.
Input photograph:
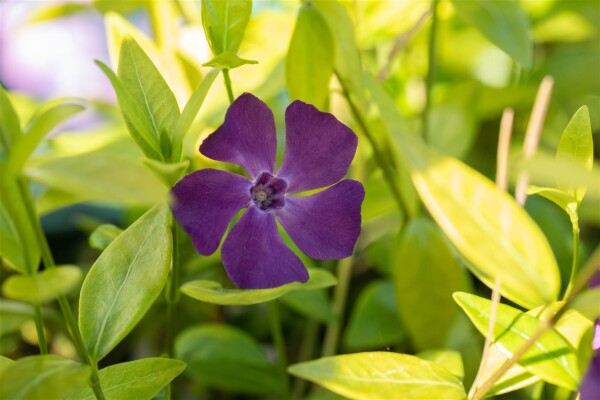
(324, 225)
(590, 387)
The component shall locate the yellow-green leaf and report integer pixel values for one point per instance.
(43, 286)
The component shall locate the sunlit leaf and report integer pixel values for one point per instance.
(42, 378)
(133, 380)
(227, 358)
(503, 22)
(374, 320)
(588, 303)
(43, 286)
(104, 235)
(5, 362)
(423, 261)
(124, 282)
(379, 375)
(228, 61)
(576, 145)
(559, 197)
(552, 357)
(213, 292)
(224, 23)
(10, 127)
(449, 359)
(168, 173)
(313, 304)
(310, 59)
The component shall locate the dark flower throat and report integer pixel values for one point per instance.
(268, 193)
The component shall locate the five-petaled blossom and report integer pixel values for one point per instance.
(324, 225)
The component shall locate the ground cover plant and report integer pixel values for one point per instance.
(318, 199)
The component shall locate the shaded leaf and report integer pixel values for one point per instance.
(133, 380)
(13, 314)
(124, 282)
(227, 358)
(588, 303)
(213, 292)
(43, 286)
(5, 362)
(42, 378)
(104, 235)
(379, 375)
(313, 304)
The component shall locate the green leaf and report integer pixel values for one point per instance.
(124, 282)
(347, 57)
(44, 286)
(561, 198)
(503, 22)
(552, 357)
(423, 261)
(13, 315)
(5, 362)
(99, 176)
(133, 380)
(379, 375)
(168, 173)
(104, 235)
(576, 145)
(310, 59)
(374, 320)
(44, 120)
(313, 304)
(228, 61)
(224, 23)
(42, 378)
(213, 292)
(10, 127)
(449, 359)
(227, 358)
(496, 236)
(148, 89)
(191, 110)
(586, 303)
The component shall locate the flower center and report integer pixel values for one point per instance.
(268, 192)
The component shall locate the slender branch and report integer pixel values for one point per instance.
(39, 326)
(431, 66)
(227, 80)
(340, 294)
(534, 131)
(380, 159)
(65, 307)
(277, 334)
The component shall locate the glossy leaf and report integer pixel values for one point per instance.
(124, 282)
(426, 273)
(559, 197)
(168, 173)
(224, 23)
(10, 127)
(552, 357)
(379, 375)
(133, 380)
(44, 286)
(576, 145)
(104, 235)
(449, 359)
(374, 320)
(99, 176)
(588, 303)
(227, 358)
(42, 377)
(148, 89)
(213, 292)
(503, 22)
(313, 304)
(310, 59)
(45, 119)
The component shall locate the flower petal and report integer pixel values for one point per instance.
(318, 148)
(246, 138)
(205, 201)
(325, 225)
(254, 255)
(590, 386)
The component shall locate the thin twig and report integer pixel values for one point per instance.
(534, 131)
(504, 148)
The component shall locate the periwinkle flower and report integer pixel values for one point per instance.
(324, 225)
(590, 386)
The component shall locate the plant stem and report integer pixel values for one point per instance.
(172, 298)
(65, 307)
(227, 80)
(380, 159)
(575, 264)
(307, 349)
(431, 66)
(340, 294)
(277, 334)
(39, 326)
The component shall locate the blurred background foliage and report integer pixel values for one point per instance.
(89, 172)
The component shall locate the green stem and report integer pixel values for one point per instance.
(307, 349)
(277, 334)
(380, 159)
(172, 299)
(227, 80)
(575, 264)
(340, 294)
(65, 307)
(431, 66)
(39, 326)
